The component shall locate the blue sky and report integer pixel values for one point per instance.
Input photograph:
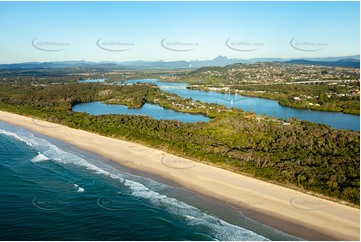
(31, 30)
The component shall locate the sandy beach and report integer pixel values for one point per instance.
(288, 210)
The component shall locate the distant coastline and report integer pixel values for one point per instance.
(280, 207)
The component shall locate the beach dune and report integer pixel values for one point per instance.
(288, 210)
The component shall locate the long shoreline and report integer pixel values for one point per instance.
(288, 210)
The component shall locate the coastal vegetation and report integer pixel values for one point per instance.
(333, 98)
(303, 155)
(319, 88)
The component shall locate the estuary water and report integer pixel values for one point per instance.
(51, 190)
(151, 110)
(259, 105)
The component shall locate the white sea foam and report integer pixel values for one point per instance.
(215, 227)
(219, 229)
(47, 150)
(79, 189)
(7, 133)
(40, 157)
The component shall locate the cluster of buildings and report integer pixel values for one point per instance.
(280, 73)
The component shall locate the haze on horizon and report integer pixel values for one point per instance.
(170, 31)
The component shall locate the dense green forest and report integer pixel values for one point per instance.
(302, 155)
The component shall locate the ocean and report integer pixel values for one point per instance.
(51, 190)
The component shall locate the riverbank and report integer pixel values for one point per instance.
(259, 104)
(287, 100)
(288, 210)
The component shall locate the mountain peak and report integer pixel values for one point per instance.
(348, 60)
(220, 58)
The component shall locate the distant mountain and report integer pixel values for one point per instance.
(343, 61)
(155, 64)
(357, 57)
(348, 62)
(223, 61)
(218, 61)
(57, 64)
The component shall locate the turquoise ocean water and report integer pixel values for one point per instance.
(51, 190)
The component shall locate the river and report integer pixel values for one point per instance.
(258, 105)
